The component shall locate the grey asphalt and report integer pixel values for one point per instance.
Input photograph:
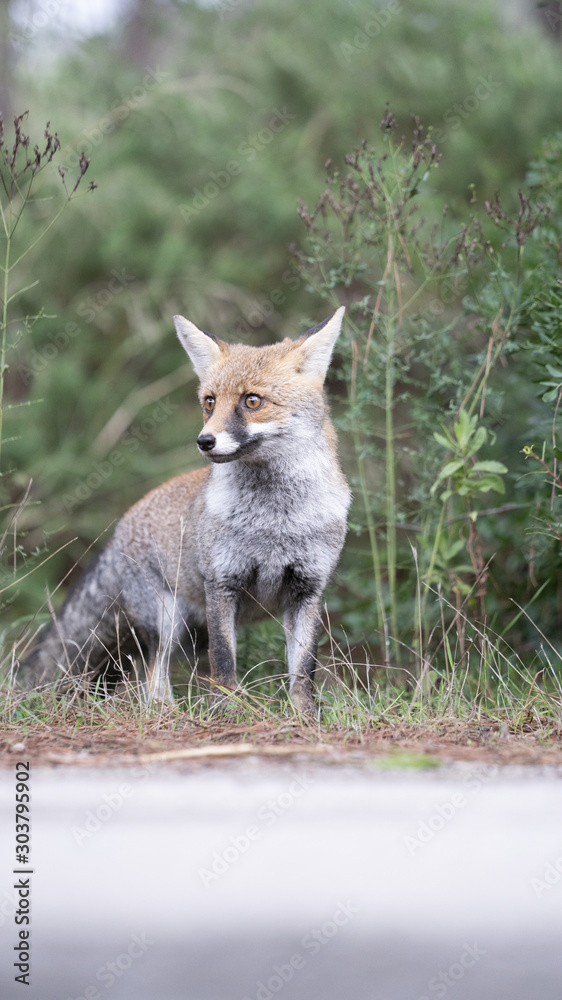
(257, 881)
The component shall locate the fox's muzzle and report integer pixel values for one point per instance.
(219, 447)
(206, 442)
(224, 447)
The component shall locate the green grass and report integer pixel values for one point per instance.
(488, 687)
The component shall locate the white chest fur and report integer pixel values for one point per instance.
(260, 519)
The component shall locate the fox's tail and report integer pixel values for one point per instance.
(90, 635)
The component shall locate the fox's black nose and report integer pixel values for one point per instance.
(206, 442)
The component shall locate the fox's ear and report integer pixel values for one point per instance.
(315, 347)
(203, 349)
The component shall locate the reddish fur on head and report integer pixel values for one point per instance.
(287, 376)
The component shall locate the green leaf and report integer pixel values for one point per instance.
(464, 427)
(447, 443)
(491, 483)
(479, 439)
(451, 549)
(490, 466)
(451, 468)
(448, 470)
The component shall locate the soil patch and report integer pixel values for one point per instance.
(401, 745)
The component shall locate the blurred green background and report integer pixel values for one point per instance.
(204, 125)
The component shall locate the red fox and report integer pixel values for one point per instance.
(257, 532)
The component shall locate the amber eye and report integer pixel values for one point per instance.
(252, 401)
(209, 403)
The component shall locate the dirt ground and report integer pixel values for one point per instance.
(401, 746)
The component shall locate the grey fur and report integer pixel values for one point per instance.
(261, 533)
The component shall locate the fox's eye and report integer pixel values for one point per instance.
(209, 403)
(252, 401)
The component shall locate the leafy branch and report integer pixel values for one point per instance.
(20, 165)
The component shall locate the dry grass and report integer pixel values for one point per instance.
(494, 709)
(113, 739)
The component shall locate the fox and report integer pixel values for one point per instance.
(256, 532)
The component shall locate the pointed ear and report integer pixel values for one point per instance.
(315, 347)
(203, 349)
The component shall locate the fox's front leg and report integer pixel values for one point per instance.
(302, 625)
(222, 604)
(157, 687)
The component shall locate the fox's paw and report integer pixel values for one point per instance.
(157, 697)
(305, 705)
(225, 705)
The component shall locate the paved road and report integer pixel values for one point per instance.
(258, 881)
